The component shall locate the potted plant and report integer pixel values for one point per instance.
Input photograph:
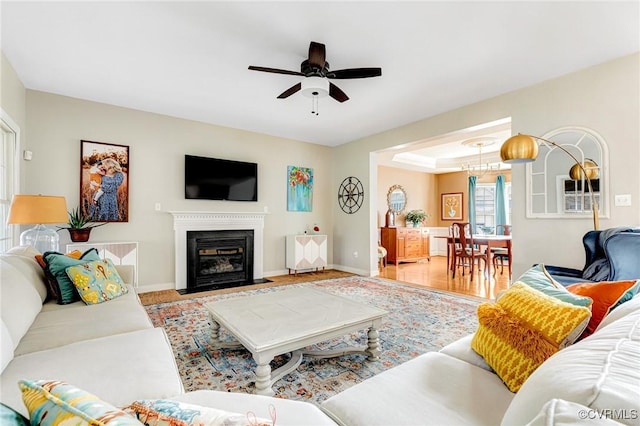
(79, 226)
(416, 217)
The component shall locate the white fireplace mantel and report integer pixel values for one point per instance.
(216, 221)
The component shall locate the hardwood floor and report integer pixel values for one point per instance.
(434, 274)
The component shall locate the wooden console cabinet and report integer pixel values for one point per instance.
(405, 244)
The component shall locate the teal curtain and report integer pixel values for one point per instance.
(501, 206)
(472, 203)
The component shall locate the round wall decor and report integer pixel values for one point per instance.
(350, 195)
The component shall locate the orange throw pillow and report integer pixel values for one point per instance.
(606, 295)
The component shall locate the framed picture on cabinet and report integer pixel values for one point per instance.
(451, 206)
(104, 181)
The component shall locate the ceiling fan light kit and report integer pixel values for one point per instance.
(315, 86)
(315, 71)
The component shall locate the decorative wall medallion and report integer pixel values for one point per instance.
(350, 195)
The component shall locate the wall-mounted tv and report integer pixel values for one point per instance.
(217, 179)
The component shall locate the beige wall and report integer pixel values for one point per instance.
(13, 103)
(420, 188)
(459, 182)
(157, 146)
(604, 98)
(12, 93)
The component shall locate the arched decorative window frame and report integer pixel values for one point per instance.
(603, 163)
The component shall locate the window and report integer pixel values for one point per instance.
(575, 200)
(486, 204)
(9, 139)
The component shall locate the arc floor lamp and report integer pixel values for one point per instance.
(523, 148)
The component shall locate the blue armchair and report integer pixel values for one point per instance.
(611, 255)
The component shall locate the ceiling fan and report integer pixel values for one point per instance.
(316, 71)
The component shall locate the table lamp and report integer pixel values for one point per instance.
(39, 210)
(524, 149)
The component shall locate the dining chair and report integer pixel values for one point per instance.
(501, 254)
(382, 257)
(466, 249)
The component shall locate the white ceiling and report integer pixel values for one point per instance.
(190, 60)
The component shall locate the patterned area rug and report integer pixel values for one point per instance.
(419, 321)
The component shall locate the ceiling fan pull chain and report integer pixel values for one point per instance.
(314, 104)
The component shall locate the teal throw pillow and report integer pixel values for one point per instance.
(538, 278)
(97, 281)
(57, 263)
(10, 417)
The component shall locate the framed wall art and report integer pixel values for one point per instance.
(451, 206)
(104, 181)
(299, 189)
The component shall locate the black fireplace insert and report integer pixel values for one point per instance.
(219, 259)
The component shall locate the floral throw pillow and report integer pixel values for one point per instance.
(52, 402)
(164, 412)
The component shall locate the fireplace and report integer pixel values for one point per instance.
(219, 259)
(184, 222)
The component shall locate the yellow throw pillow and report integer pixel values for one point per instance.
(524, 328)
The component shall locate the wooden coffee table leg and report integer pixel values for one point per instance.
(373, 346)
(215, 331)
(263, 379)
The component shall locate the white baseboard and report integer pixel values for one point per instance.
(156, 287)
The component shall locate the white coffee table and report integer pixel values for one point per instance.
(289, 320)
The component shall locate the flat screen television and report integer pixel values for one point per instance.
(217, 179)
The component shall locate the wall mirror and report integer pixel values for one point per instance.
(397, 199)
(551, 192)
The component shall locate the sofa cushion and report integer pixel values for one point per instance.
(96, 281)
(23, 258)
(621, 311)
(57, 263)
(20, 303)
(606, 296)
(52, 402)
(59, 325)
(433, 388)
(600, 372)
(462, 350)
(6, 346)
(165, 412)
(537, 277)
(524, 328)
(119, 368)
(288, 412)
(558, 412)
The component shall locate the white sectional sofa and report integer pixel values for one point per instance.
(109, 349)
(112, 351)
(590, 382)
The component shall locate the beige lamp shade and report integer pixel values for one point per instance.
(37, 209)
(590, 167)
(519, 149)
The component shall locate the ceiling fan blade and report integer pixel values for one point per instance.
(317, 54)
(274, 70)
(355, 73)
(290, 91)
(337, 94)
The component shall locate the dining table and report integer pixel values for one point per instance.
(490, 241)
